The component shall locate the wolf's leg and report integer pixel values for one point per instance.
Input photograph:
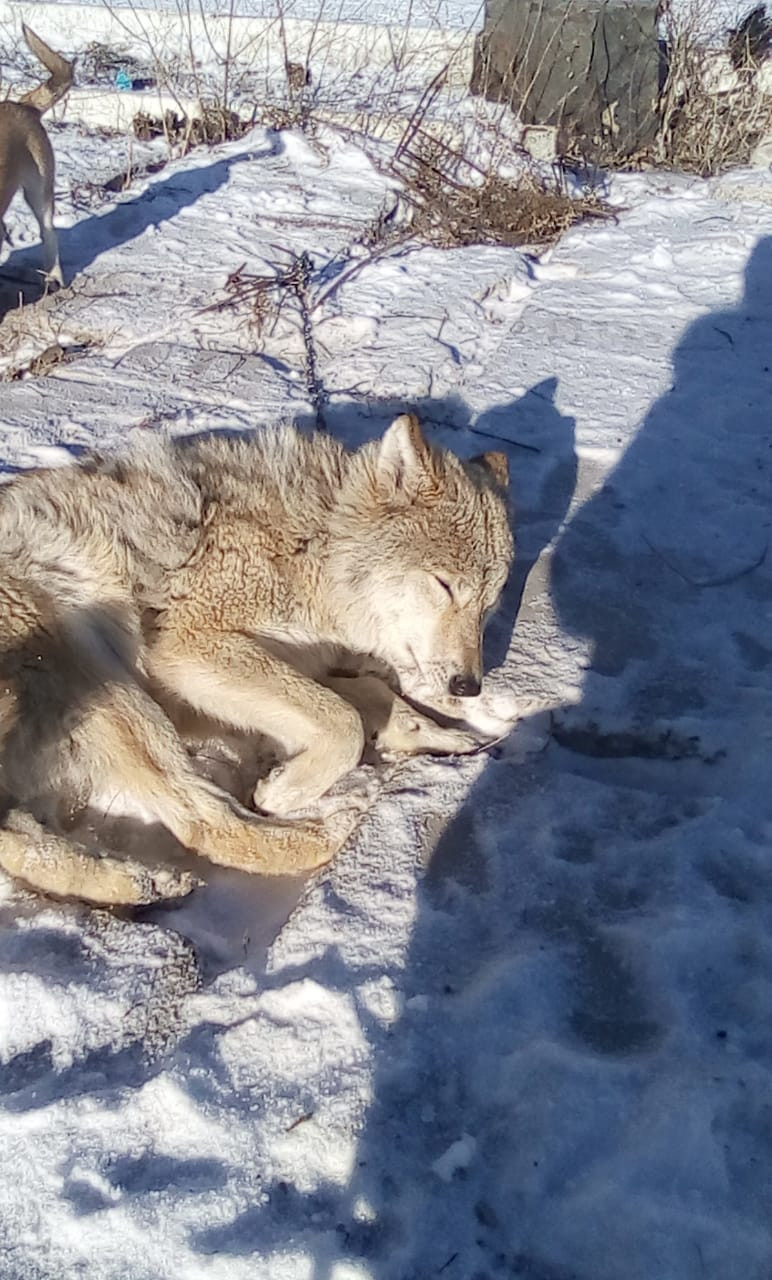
(53, 864)
(232, 679)
(393, 726)
(127, 741)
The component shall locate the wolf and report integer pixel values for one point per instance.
(26, 155)
(277, 584)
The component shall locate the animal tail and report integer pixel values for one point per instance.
(59, 81)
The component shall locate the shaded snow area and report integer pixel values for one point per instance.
(521, 1027)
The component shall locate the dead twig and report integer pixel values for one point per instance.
(263, 294)
(243, 289)
(298, 278)
(309, 1115)
(51, 357)
(515, 444)
(456, 202)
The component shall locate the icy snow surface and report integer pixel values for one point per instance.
(521, 1028)
(711, 17)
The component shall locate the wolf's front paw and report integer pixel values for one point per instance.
(491, 716)
(411, 733)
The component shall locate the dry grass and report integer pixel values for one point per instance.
(712, 119)
(259, 298)
(214, 125)
(454, 202)
(707, 134)
(42, 363)
(99, 63)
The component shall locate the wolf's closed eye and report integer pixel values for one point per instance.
(445, 585)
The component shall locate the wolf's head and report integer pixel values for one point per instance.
(426, 550)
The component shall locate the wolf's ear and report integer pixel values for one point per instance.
(403, 454)
(496, 464)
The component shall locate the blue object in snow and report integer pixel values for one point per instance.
(123, 80)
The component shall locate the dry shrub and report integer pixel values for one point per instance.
(712, 117)
(456, 203)
(57, 353)
(257, 297)
(707, 134)
(214, 125)
(750, 43)
(100, 63)
(260, 297)
(709, 114)
(278, 116)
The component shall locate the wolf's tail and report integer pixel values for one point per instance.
(59, 81)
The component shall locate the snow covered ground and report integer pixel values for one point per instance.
(711, 15)
(521, 1028)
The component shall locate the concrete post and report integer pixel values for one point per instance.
(591, 68)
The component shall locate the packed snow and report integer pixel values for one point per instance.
(520, 1027)
(712, 17)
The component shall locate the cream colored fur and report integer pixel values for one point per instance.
(26, 156)
(277, 585)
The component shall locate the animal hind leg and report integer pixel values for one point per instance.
(34, 771)
(230, 677)
(393, 727)
(53, 864)
(39, 194)
(127, 740)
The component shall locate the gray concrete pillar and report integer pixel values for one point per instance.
(589, 67)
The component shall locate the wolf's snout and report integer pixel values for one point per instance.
(464, 686)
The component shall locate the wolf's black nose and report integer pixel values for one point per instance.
(464, 686)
